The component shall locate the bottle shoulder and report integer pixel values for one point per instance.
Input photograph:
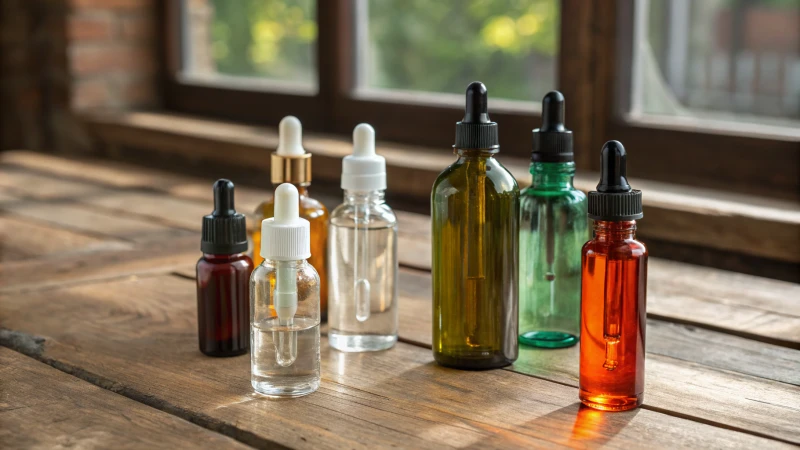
(376, 215)
(615, 249)
(268, 268)
(456, 177)
(532, 196)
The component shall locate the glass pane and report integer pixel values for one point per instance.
(736, 60)
(443, 45)
(262, 39)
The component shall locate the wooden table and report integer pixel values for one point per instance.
(98, 317)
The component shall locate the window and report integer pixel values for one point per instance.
(703, 93)
(440, 47)
(732, 61)
(250, 43)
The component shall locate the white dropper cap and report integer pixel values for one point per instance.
(286, 237)
(290, 137)
(364, 170)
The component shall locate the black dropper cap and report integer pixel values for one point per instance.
(553, 141)
(614, 199)
(224, 230)
(476, 130)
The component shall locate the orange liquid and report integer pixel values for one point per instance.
(317, 215)
(613, 318)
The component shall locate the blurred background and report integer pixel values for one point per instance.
(705, 94)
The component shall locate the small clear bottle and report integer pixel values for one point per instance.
(553, 228)
(362, 314)
(284, 309)
(290, 163)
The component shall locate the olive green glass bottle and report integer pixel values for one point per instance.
(475, 205)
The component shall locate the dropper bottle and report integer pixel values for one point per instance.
(284, 311)
(613, 292)
(553, 227)
(475, 211)
(291, 163)
(363, 254)
(222, 276)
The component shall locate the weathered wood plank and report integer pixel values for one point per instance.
(139, 336)
(22, 239)
(60, 270)
(42, 407)
(82, 219)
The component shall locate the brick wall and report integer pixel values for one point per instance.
(33, 75)
(112, 54)
(61, 57)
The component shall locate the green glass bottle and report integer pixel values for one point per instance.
(553, 228)
(475, 205)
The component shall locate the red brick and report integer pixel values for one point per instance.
(112, 4)
(139, 92)
(112, 59)
(138, 27)
(90, 28)
(91, 94)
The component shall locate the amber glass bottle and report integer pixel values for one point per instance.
(292, 164)
(613, 293)
(223, 273)
(475, 205)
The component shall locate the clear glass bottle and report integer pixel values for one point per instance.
(613, 293)
(363, 254)
(284, 311)
(475, 216)
(290, 163)
(553, 228)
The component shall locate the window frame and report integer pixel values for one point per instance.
(593, 72)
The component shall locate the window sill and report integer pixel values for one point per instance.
(734, 224)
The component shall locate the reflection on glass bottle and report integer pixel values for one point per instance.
(613, 292)
(363, 254)
(292, 164)
(474, 207)
(553, 227)
(284, 311)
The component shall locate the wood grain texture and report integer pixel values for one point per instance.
(137, 337)
(691, 389)
(42, 407)
(21, 239)
(79, 268)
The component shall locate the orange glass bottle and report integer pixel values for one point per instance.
(613, 292)
(292, 164)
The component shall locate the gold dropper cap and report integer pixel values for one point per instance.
(291, 169)
(290, 163)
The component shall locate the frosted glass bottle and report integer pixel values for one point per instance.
(362, 312)
(284, 305)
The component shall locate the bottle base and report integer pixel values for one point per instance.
(548, 339)
(361, 343)
(273, 390)
(611, 402)
(495, 361)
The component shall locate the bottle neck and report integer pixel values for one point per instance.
(475, 153)
(605, 231)
(295, 263)
(552, 175)
(364, 197)
(215, 258)
(302, 190)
